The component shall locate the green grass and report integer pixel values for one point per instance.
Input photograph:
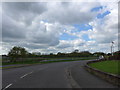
(107, 66)
(33, 61)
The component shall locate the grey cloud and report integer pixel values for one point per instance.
(50, 40)
(71, 17)
(81, 44)
(17, 25)
(27, 44)
(22, 27)
(15, 17)
(11, 29)
(106, 39)
(68, 13)
(45, 34)
(23, 11)
(24, 7)
(64, 44)
(12, 32)
(65, 4)
(34, 46)
(114, 26)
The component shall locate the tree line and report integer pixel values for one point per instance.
(20, 52)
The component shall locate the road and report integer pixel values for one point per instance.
(52, 75)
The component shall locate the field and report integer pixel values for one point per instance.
(107, 66)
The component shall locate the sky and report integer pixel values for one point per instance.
(51, 27)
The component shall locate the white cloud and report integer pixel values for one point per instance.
(44, 33)
(38, 26)
(105, 30)
(70, 13)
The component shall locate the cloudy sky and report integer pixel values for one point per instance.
(51, 27)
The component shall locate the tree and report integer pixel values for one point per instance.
(51, 54)
(99, 53)
(17, 52)
(59, 53)
(85, 53)
(76, 51)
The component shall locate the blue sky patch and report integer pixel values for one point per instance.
(99, 16)
(81, 27)
(97, 8)
(85, 37)
(45, 21)
(66, 36)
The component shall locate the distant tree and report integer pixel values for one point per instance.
(51, 54)
(85, 53)
(99, 53)
(76, 51)
(109, 54)
(17, 52)
(36, 53)
(59, 53)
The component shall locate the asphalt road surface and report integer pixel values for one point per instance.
(52, 75)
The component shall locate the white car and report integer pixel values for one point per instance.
(101, 57)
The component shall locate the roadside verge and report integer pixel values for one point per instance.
(112, 78)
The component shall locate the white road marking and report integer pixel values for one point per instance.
(26, 75)
(32, 72)
(7, 86)
(23, 76)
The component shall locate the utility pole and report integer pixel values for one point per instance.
(112, 47)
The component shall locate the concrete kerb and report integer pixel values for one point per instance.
(114, 79)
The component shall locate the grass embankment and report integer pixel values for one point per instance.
(49, 60)
(107, 66)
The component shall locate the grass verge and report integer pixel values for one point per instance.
(107, 66)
